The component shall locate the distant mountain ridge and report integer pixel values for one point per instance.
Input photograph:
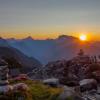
(63, 47)
(3, 42)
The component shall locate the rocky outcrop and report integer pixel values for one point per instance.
(88, 84)
(55, 69)
(71, 72)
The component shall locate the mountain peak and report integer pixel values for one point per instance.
(1, 38)
(64, 37)
(29, 38)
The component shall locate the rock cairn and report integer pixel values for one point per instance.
(3, 73)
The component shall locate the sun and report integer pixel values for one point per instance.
(83, 37)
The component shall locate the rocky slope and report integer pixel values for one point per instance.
(16, 59)
(11, 55)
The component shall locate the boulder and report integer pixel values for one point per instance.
(88, 84)
(69, 94)
(53, 82)
(98, 90)
(96, 75)
(71, 80)
(97, 97)
(20, 87)
(5, 89)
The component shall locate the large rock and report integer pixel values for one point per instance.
(5, 89)
(88, 84)
(71, 80)
(20, 87)
(53, 82)
(69, 94)
(96, 75)
(97, 97)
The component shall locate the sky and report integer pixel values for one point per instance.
(49, 18)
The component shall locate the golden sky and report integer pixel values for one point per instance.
(43, 19)
(90, 36)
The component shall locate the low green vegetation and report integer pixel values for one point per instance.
(36, 91)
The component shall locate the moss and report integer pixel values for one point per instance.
(70, 98)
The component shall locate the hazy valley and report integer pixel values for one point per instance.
(63, 47)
